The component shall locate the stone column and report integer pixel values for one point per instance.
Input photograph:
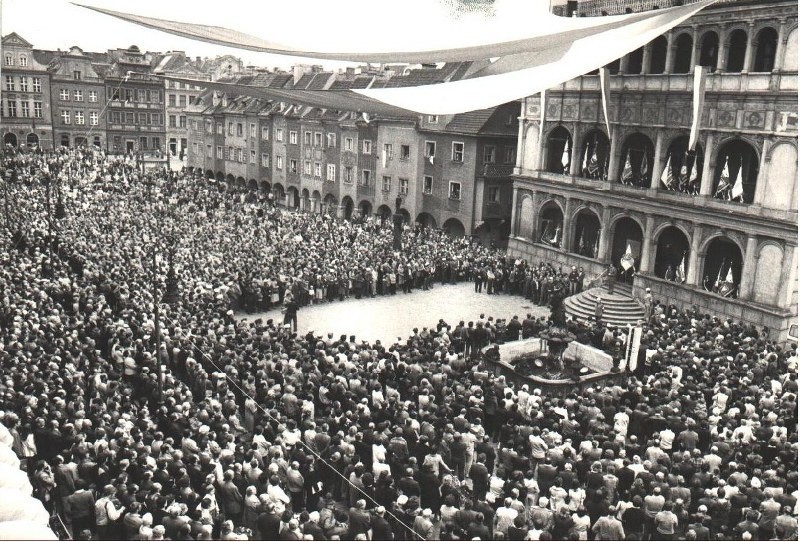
(566, 227)
(670, 52)
(575, 158)
(707, 182)
(781, 47)
(658, 162)
(613, 158)
(515, 212)
(623, 65)
(749, 268)
(647, 245)
(693, 269)
(751, 47)
(695, 49)
(523, 125)
(605, 236)
(722, 56)
(646, 53)
(788, 273)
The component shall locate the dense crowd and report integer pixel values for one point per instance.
(266, 434)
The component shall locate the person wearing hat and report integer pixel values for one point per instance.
(423, 525)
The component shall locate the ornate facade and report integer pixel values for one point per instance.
(723, 214)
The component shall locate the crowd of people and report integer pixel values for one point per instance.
(206, 426)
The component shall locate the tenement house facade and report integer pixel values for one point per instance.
(716, 227)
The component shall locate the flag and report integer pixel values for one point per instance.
(546, 233)
(737, 192)
(724, 185)
(565, 158)
(605, 86)
(680, 273)
(683, 179)
(581, 245)
(666, 175)
(556, 239)
(627, 260)
(627, 171)
(594, 163)
(585, 166)
(698, 99)
(644, 168)
(596, 245)
(726, 289)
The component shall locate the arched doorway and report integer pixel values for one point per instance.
(595, 155)
(252, 185)
(658, 55)
(10, 139)
(683, 54)
(709, 47)
(32, 140)
(672, 255)
(454, 228)
(737, 49)
(347, 207)
(686, 167)
(587, 234)
(559, 150)
(305, 200)
(265, 187)
(365, 208)
(209, 174)
(65, 140)
(635, 59)
(426, 220)
(331, 205)
(551, 224)
(736, 174)
(627, 234)
(293, 201)
(278, 193)
(722, 267)
(406, 216)
(316, 201)
(241, 184)
(766, 45)
(636, 165)
(384, 213)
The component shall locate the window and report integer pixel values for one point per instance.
(405, 152)
(265, 132)
(37, 84)
(307, 168)
(510, 119)
(239, 129)
(78, 94)
(455, 190)
(366, 146)
(293, 166)
(142, 119)
(430, 149)
(510, 155)
(155, 119)
(219, 151)
(130, 118)
(116, 117)
(173, 121)
(25, 109)
(65, 117)
(403, 188)
(241, 155)
(458, 151)
(182, 100)
(279, 134)
(141, 96)
(171, 100)
(219, 128)
(317, 170)
(94, 118)
(293, 137)
(433, 119)
(63, 95)
(209, 153)
(181, 121)
(230, 128)
(348, 174)
(227, 152)
(331, 140)
(348, 143)
(23, 84)
(279, 162)
(93, 96)
(365, 177)
(79, 120)
(37, 110)
(12, 108)
(317, 139)
(76, 75)
(494, 194)
(264, 159)
(209, 126)
(252, 157)
(331, 177)
(23, 60)
(192, 99)
(9, 83)
(427, 184)
(252, 130)
(306, 138)
(488, 154)
(156, 142)
(9, 60)
(129, 97)
(388, 152)
(387, 183)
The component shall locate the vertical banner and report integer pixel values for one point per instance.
(605, 88)
(698, 99)
(636, 342)
(542, 106)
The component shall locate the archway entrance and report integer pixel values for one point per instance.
(365, 208)
(426, 220)
(672, 255)
(305, 201)
(683, 54)
(330, 205)
(453, 227)
(293, 202)
(595, 155)
(722, 269)
(384, 213)
(587, 234)
(559, 150)
(10, 139)
(709, 47)
(347, 207)
(551, 224)
(736, 174)
(737, 49)
(766, 46)
(627, 234)
(32, 140)
(278, 193)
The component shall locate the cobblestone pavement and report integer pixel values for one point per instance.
(386, 318)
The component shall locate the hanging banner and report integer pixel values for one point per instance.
(542, 104)
(699, 98)
(605, 89)
(636, 342)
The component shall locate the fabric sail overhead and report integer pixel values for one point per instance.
(509, 78)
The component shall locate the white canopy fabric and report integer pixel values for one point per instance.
(8, 457)
(456, 43)
(25, 530)
(5, 436)
(17, 506)
(14, 479)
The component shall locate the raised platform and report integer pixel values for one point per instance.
(620, 309)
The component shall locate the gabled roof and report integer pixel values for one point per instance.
(15, 39)
(492, 121)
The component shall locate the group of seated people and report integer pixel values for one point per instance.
(208, 426)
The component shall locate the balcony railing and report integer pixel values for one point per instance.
(596, 8)
(498, 170)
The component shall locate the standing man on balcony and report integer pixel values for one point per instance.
(612, 277)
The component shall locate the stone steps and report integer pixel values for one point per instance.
(620, 307)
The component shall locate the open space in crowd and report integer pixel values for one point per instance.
(258, 432)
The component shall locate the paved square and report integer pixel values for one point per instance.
(386, 318)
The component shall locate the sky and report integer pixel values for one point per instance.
(58, 24)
